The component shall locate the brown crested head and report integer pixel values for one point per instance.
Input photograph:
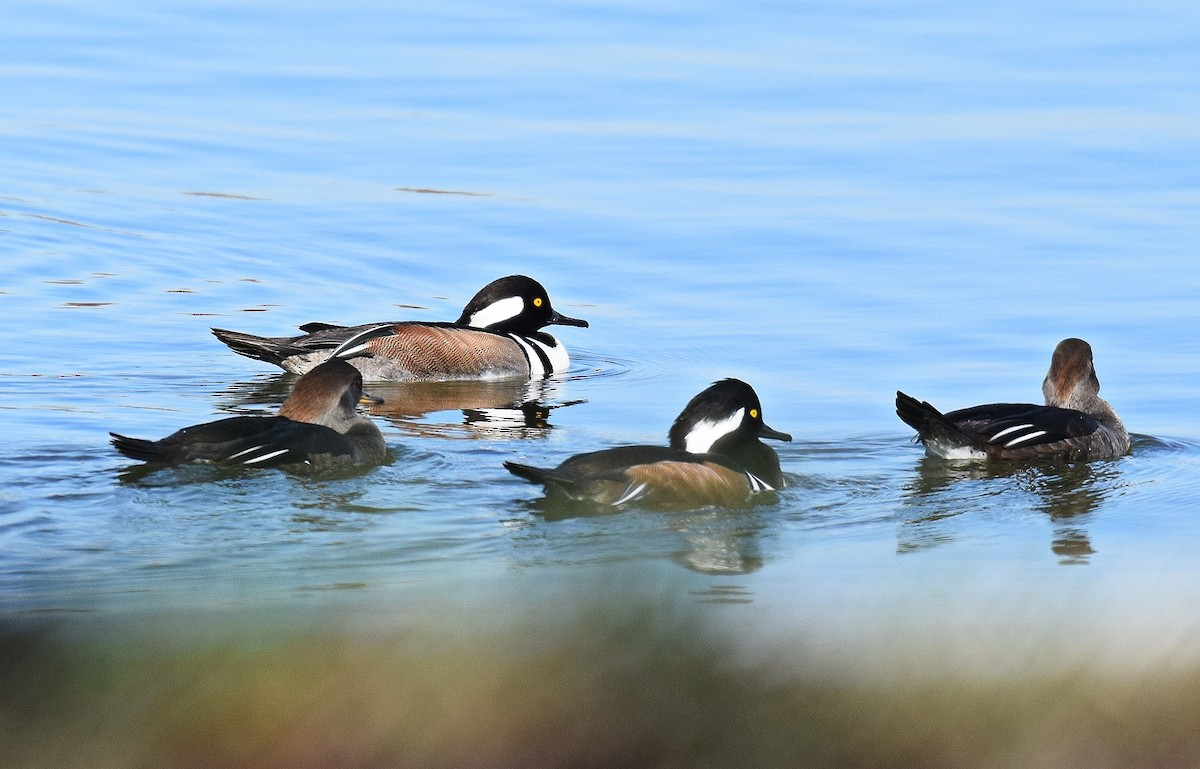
(328, 395)
(1072, 375)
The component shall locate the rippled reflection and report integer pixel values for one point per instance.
(709, 541)
(1067, 493)
(490, 409)
(719, 541)
(504, 409)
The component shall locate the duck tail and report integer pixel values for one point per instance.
(139, 448)
(262, 348)
(529, 473)
(557, 487)
(932, 426)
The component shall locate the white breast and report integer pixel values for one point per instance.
(556, 354)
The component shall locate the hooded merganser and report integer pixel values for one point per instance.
(1075, 423)
(318, 429)
(497, 336)
(715, 457)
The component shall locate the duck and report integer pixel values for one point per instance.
(497, 336)
(714, 458)
(318, 429)
(1074, 424)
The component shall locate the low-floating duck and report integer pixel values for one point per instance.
(1076, 423)
(317, 429)
(498, 336)
(715, 457)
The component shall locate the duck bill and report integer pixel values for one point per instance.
(558, 319)
(370, 400)
(767, 432)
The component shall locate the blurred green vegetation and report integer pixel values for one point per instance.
(605, 685)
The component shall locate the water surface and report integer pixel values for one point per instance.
(831, 202)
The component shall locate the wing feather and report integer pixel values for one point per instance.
(430, 351)
(691, 484)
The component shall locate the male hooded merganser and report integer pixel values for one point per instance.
(497, 336)
(1075, 423)
(318, 429)
(715, 458)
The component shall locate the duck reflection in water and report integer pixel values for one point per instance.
(719, 542)
(944, 492)
(716, 541)
(489, 409)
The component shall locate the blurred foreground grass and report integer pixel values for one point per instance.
(604, 686)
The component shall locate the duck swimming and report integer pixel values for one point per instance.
(497, 336)
(317, 429)
(1075, 423)
(715, 457)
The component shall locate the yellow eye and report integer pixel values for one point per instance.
(754, 413)
(537, 302)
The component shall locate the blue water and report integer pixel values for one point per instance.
(830, 201)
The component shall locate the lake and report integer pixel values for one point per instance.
(831, 201)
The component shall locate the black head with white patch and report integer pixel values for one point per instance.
(514, 305)
(720, 418)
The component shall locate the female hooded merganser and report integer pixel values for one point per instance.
(715, 458)
(497, 336)
(318, 429)
(1075, 423)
